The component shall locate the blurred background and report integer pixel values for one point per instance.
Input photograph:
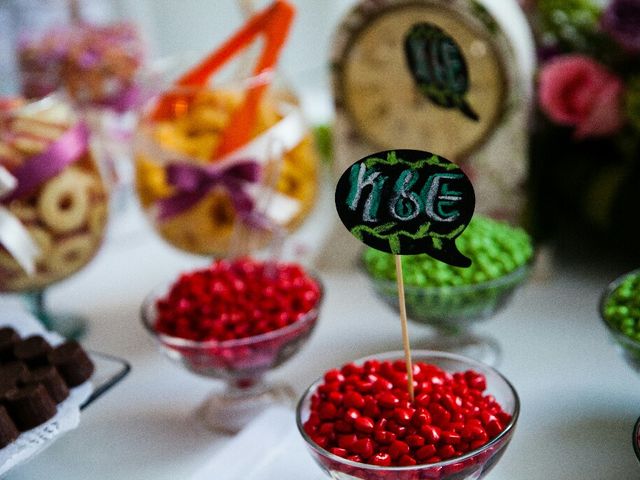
(172, 27)
(571, 154)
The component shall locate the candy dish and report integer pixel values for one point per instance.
(451, 299)
(274, 187)
(240, 363)
(95, 64)
(108, 371)
(620, 315)
(474, 464)
(635, 439)
(225, 165)
(452, 310)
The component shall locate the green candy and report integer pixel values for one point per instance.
(496, 250)
(621, 307)
(494, 247)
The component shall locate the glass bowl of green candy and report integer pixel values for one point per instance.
(451, 299)
(620, 311)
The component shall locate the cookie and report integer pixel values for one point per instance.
(71, 254)
(63, 204)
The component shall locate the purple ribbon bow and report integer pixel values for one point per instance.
(192, 182)
(125, 100)
(53, 160)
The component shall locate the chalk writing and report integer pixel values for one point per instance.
(407, 202)
(438, 67)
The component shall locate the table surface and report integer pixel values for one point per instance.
(579, 399)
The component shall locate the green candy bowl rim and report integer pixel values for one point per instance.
(522, 271)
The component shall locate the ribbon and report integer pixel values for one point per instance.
(13, 235)
(286, 134)
(192, 182)
(123, 101)
(53, 160)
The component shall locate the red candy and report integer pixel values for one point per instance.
(236, 299)
(365, 414)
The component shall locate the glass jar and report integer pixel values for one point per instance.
(65, 209)
(182, 130)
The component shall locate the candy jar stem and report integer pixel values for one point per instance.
(36, 305)
(68, 326)
(449, 330)
(459, 339)
(231, 409)
(243, 386)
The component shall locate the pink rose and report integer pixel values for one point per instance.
(576, 91)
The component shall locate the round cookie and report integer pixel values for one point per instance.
(26, 213)
(71, 253)
(63, 204)
(98, 216)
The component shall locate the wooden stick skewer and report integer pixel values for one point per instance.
(403, 322)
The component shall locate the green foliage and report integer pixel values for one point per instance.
(324, 142)
(569, 19)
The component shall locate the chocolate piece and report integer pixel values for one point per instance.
(5, 389)
(8, 429)
(32, 350)
(72, 362)
(52, 381)
(8, 337)
(30, 406)
(12, 372)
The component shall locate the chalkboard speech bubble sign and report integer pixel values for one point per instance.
(438, 67)
(407, 202)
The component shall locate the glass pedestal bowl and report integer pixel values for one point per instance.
(627, 344)
(240, 364)
(451, 311)
(635, 439)
(471, 466)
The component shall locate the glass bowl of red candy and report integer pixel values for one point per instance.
(359, 422)
(235, 321)
(636, 439)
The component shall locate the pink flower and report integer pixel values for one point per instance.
(576, 91)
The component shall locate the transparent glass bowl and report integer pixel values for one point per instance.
(628, 347)
(66, 215)
(452, 310)
(472, 466)
(188, 131)
(241, 364)
(636, 439)
(449, 306)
